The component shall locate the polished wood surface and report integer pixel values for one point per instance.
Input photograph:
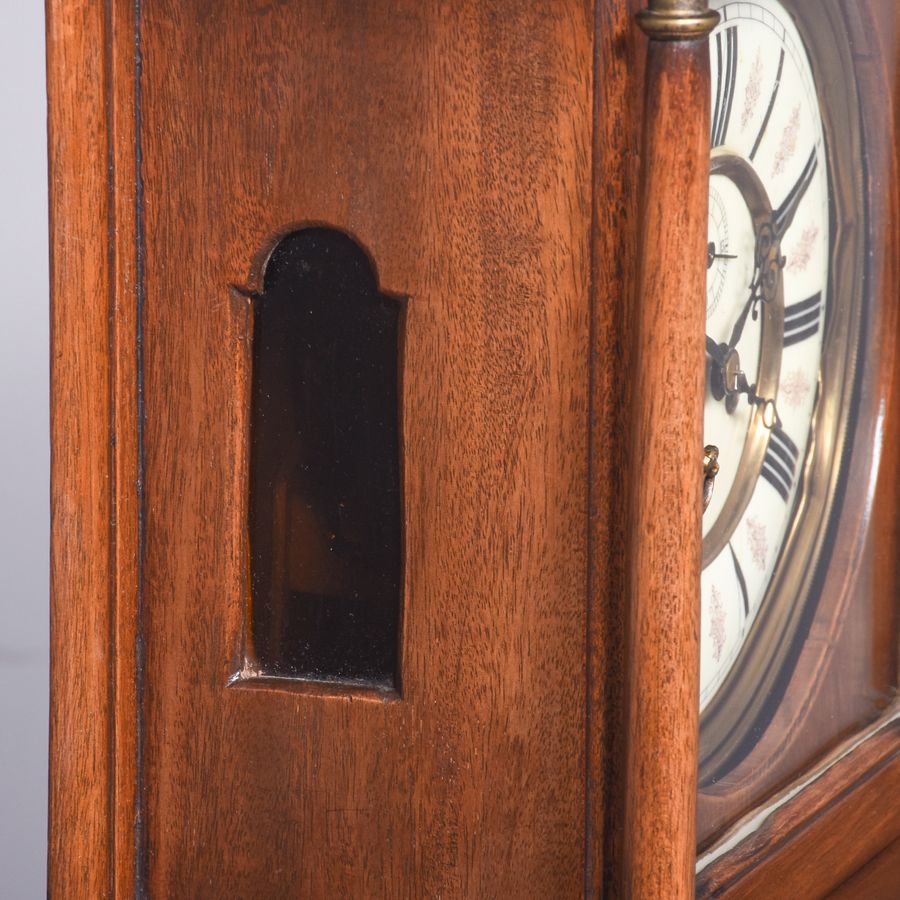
(125, 347)
(663, 551)
(94, 438)
(619, 58)
(81, 561)
(876, 880)
(453, 144)
(498, 450)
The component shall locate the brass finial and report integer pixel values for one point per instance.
(677, 20)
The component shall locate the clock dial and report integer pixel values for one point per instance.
(768, 301)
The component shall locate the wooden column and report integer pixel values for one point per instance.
(666, 447)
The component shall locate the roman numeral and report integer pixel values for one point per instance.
(785, 213)
(780, 462)
(801, 320)
(725, 86)
(742, 582)
(768, 115)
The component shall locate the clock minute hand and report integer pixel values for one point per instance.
(738, 329)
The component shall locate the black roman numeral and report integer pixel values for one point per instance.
(742, 583)
(768, 115)
(780, 462)
(801, 320)
(725, 85)
(785, 213)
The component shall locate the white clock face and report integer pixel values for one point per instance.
(765, 313)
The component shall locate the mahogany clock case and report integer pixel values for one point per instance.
(831, 612)
(487, 157)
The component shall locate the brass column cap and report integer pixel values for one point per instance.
(677, 20)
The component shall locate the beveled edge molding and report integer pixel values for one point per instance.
(779, 833)
(677, 20)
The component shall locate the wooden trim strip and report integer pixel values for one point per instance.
(877, 878)
(618, 78)
(124, 347)
(94, 464)
(81, 755)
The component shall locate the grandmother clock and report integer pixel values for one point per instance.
(387, 340)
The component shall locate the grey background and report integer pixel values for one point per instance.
(24, 453)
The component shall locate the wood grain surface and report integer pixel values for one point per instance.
(619, 58)
(94, 439)
(487, 155)
(81, 558)
(453, 142)
(665, 484)
(876, 880)
(125, 301)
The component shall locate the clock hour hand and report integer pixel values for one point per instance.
(768, 264)
(769, 232)
(783, 217)
(769, 261)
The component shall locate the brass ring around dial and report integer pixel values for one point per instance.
(742, 174)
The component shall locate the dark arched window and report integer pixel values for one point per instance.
(325, 508)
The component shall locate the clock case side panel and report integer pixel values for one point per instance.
(452, 143)
(94, 711)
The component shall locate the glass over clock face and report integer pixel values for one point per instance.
(770, 407)
(767, 293)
